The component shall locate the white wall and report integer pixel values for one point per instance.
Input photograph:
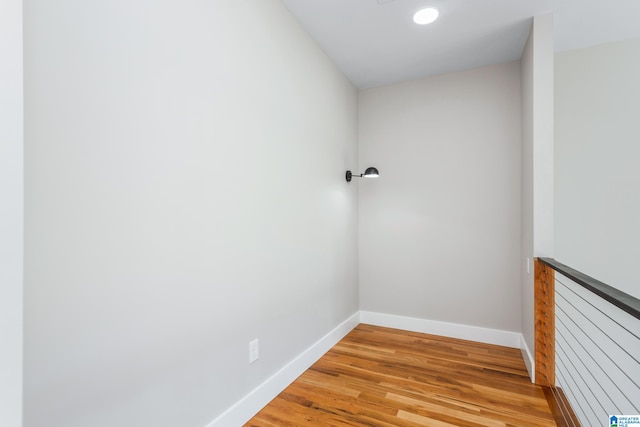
(526, 270)
(537, 164)
(11, 213)
(543, 81)
(184, 195)
(440, 229)
(597, 151)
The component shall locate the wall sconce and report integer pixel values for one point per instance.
(371, 172)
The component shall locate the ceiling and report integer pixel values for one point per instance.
(375, 42)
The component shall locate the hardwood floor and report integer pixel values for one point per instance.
(391, 378)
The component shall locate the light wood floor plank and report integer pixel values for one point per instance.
(380, 377)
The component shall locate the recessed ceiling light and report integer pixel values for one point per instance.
(426, 16)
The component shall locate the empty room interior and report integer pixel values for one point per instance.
(178, 237)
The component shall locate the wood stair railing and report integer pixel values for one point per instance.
(544, 310)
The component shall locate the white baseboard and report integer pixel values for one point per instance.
(257, 399)
(528, 359)
(434, 327)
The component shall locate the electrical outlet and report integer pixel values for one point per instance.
(254, 353)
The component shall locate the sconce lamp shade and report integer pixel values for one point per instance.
(371, 172)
